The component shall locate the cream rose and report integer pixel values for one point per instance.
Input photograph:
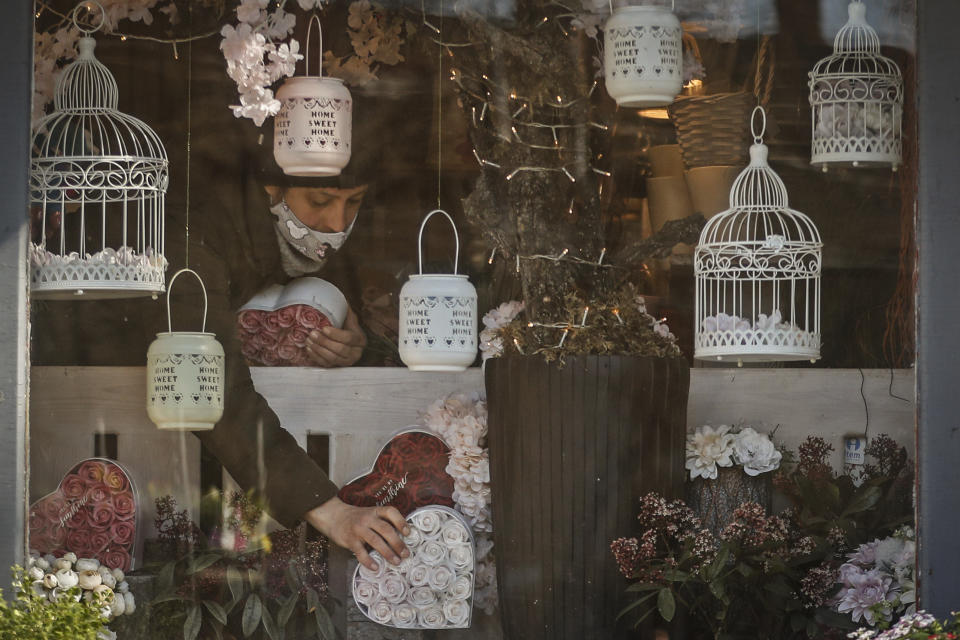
(50, 581)
(432, 617)
(373, 576)
(755, 452)
(456, 612)
(405, 615)
(381, 612)
(419, 575)
(461, 588)
(462, 557)
(432, 553)
(422, 597)
(88, 564)
(454, 533)
(428, 522)
(393, 588)
(366, 593)
(67, 578)
(130, 602)
(441, 577)
(89, 579)
(414, 539)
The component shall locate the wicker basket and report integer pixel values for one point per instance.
(712, 130)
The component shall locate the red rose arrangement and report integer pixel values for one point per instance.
(92, 514)
(279, 338)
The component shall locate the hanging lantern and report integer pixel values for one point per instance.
(757, 270)
(856, 96)
(438, 316)
(185, 375)
(643, 56)
(311, 132)
(98, 178)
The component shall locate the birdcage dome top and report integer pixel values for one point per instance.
(759, 217)
(856, 49)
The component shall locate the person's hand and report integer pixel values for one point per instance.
(331, 347)
(355, 527)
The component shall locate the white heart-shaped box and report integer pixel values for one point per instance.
(433, 588)
(315, 292)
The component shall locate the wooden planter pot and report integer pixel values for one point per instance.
(571, 451)
(714, 501)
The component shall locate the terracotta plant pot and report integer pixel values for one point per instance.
(571, 451)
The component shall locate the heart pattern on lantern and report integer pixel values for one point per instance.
(93, 512)
(409, 472)
(433, 588)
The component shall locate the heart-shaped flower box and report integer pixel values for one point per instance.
(431, 589)
(274, 324)
(94, 512)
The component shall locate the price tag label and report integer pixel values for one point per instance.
(854, 449)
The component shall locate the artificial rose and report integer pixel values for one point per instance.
(755, 452)
(90, 579)
(92, 471)
(74, 487)
(381, 612)
(422, 596)
(122, 532)
(432, 617)
(418, 575)
(310, 319)
(102, 515)
(286, 316)
(79, 539)
(67, 578)
(405, 615)
(271, 323)
(100, 540)
(79, 519)
(287, 351)
(366, 593)
(116, 480)
(414, 539)
(298, 336)
(457, 612)
(117, 558)
(432, 553)
(264, 340)
(108, 578)
(35, 573)
(98, 493)
(118, 574)
(50, 581)
(462, 557)
(454, 533)
(441, 577)
(708, 448)
(250, 320)
(87, 564)
(428, 522)
(393, 588)
(250, 351)
(461, 588)
(53, 507)
(373, 575)
(270, 358)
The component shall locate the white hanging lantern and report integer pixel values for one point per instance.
(312, 130)
(98, 179)
(856, 96)
(185, 372)
(643, 56)
(438, 316)
(757, 270)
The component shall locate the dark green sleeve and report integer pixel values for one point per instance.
(249, 440)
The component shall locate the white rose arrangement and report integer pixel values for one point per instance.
(432, 589)
(709, 448)
(82, 578)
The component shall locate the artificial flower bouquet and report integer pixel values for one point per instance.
(913, 626)
(279, 338)
(709, 448)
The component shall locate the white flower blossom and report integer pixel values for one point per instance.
(491, 344)
(67, 578)
(404, 615)
(707, 449)
(756, 452)
(88, 564)
(457, 612)
(89, 579)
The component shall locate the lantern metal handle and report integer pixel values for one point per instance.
(456, 237)
(306, 51)
(89, 5)
(673, 6)
(758, 137)
(203, 328)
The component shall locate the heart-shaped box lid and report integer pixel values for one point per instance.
(431, 589)
(409, 472)
(94, 512)
(314, 292)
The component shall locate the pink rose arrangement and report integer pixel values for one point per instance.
(92, 514)
(278, 338)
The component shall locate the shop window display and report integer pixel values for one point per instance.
(499, 501)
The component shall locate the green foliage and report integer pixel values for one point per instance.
(32, 616)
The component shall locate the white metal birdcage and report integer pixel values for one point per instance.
(98, 178)
(856, 96)
(757, 270)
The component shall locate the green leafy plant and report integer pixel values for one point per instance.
(34, 616)
(243, 585)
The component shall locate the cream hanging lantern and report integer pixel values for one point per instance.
(757, 268)
(98, 180)
(856, 97)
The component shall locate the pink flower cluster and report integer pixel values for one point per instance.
(278, 338)
(93, 515)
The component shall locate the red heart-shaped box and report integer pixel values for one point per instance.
(409, 472)
(94, 512)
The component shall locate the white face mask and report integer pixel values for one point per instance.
(314, 245)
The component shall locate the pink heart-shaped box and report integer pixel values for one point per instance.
(409, 472)
(274, 324)
(94, 512)
(433, 588)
